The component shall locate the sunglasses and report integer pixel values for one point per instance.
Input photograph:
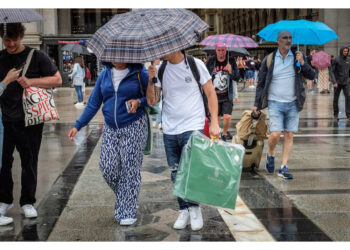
(287, 38)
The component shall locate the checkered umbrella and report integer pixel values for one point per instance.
(19, 16)
(75, 48)
(233, 51)
(146, 34)
(229, 40)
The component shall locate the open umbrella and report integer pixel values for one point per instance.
(75, 48)
(146, 34)
(321, 60)
(233, 51)
(229, 40)
(303, 32)
(19, 16)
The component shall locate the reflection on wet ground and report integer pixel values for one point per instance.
(276, 212)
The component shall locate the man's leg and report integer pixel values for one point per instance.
(6, 182)
(287, 147)
(346, 91)
(29, 153)
(226, 110)
(335, 101)
(274, 138)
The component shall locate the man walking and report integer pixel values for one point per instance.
(280, 87)
(183, 113)
(250, 72)
(223, 71)
(41, 73)
(340, 79)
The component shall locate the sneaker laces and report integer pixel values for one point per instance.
(182, 214)
(285, 169)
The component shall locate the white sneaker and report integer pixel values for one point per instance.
(29, 211)
(160, 126)
(128, 222)
(183, 220)
(154, 124)
(4, 207)
(79, 105)
(5, 220)
(196, 218)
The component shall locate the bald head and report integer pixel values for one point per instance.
(283, 33)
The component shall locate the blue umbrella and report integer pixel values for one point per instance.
(303, 32)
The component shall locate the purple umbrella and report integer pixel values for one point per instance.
(229, 41)
(321, 60)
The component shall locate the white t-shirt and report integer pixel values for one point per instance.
(183, 108)
(118, 76)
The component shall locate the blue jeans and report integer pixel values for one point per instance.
(174, 145)
(1, 138)
(283, 116)
(79, 93)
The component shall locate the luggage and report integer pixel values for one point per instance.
(251, 132)
(209, 171)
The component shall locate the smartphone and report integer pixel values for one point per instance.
(20, 66)
(128, 106)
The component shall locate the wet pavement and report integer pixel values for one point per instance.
(75, 204)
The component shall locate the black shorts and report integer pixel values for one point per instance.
(225, 108)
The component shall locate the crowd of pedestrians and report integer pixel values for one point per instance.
(124, 90)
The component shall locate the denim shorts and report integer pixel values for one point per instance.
(249, 74)
(283, 116)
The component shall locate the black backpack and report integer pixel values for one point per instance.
(188, 60)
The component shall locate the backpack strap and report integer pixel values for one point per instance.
(161, 71)
(269, 60)
(195, 72)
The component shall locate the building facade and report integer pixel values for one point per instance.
(65, 25)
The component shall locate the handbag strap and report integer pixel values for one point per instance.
(142, 93)
(29, 58)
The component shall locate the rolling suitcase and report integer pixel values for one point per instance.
(251, 132)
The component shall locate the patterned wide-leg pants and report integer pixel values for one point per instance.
(120, 163)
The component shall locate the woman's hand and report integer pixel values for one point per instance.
(134, 105)
(72, 133)
(12, 76)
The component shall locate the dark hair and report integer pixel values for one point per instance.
(13, 30)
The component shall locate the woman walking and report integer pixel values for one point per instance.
(323, 81)
(78, 76)
(124, 133)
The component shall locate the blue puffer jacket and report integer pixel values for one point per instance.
(114, 108)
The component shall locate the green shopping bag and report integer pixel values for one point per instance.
(209, 171)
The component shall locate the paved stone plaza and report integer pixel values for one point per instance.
(75, 204)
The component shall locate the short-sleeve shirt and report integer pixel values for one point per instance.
(11, 99)
(183, 107)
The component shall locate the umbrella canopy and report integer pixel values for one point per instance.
(303, 32)
(233, 51)
(229, 40)
(321, 60)
(76, 48)
(146, 34)
(19, 16)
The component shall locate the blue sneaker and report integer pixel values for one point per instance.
(284, 173)
(270, 164)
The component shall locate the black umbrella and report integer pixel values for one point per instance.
(233, 51)
(76, 48)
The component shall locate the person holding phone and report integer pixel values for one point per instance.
(124, 133)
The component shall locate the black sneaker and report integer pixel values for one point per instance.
(224, 137)
(270, 164)
(284, 173)
(229, 136)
